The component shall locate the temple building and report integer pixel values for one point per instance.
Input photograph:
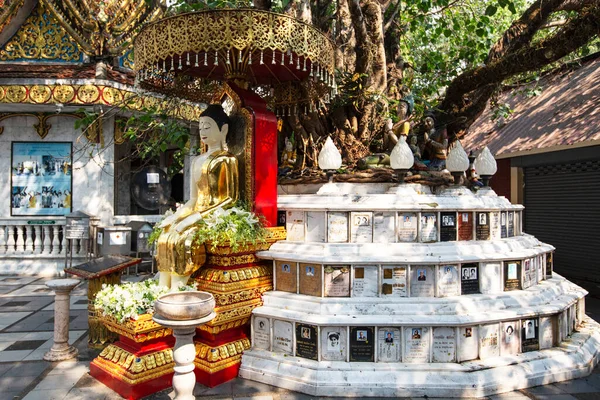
(61, 61)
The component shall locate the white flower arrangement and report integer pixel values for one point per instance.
(130, 300)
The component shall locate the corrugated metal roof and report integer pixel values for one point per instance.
(566, 113)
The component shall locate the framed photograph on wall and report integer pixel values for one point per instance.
(41, 178)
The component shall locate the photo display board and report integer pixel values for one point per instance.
(407, 227)
(337, 281)
(362, 344)
(286, 274)
(448, 227)
(482, 226)
(393, 281)
(512, 275)
(306, 341)
(388, 344)
(428, 231)
(469, 278)
(310, 279)
(465, 226)
(41, 179)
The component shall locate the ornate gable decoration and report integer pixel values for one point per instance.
(41, 38)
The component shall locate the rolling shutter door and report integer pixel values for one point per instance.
(562, 208)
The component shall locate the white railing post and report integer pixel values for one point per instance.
(55, 240)
(37, 240)
(20, 240)
(46, 229)
(63, 242)
(10, 242)
(2, 239)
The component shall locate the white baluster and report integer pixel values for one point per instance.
(37, 239)
(55, 240)
(2, 239)
(20, 240)
(63, 242)
(10, 243)
(46, 229)
(28, 239)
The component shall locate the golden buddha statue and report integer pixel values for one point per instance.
(214, 183)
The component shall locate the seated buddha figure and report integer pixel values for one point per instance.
(214, 183)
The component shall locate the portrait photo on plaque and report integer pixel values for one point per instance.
(447, 281)
(512, 275)
(362, 344)
(41, 179)
(407, 227)
(469, 278)
(465, 226)
(361, 227)
(510, 343)
(428, 231)
(468, 346)
(530, 335)
(511, 223)
(416, 344)
(333, 343)
(262, 333)
(310, 279)
(286, 274)
(337, 281)
(388, 344)
(422, 281)
(482, 227)
(448, 226)
(503, 225)
(306, 341)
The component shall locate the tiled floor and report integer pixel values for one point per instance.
(26, 334)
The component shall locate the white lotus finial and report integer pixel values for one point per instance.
(485, 163)
(402, 156)
(329, 157)
(458, 160)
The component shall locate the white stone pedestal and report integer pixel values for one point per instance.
(61, 350)
(184, 353)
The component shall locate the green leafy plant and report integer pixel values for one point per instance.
(130, 300)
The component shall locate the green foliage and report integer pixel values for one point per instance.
(501, 113)
(154, 235)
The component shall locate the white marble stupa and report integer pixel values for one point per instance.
(397, 291)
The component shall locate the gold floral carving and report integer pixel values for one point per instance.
(239, 29)
(92, 95)
(42, 127)
(41, 37)
(8, 11)
(227, 261)
(140, 330)
(133, 369)
(226, 276)
(214, 359)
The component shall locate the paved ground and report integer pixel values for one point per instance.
(26, 328)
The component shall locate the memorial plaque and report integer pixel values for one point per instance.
(503, 225)
(316, 226)
(393, 281)
(365, 281)
(337, 227)
(283, 337)
(389, 345)
(384, 227)
(416, 345)
(540, 266)
(547, 327)
(517, 223)
(428, 231)
(563, 326)
(530, 335)
(512, 275)
(510, 216)
(510, 343)
(444, 344)
(490, 278)
(281, 218)
(482, 226)
(495, 225)
(333, 343)
(549, 264)
(361, 228)
(468, 347)
(527, 274)
(572, 319)
(448, 226)
(465, 226)
(285, 276)
(580, 310)
(306, 341)
(310, 279)
(294, 225)
(407, 227)
(261, 338)
(447, 281)
(421, 281)
(362, 344)
(337, 281)
(469, 279)
(488, 341)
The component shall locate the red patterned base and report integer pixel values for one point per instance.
(216, 378)
(131, 392)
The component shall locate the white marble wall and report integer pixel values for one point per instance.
(93, 177)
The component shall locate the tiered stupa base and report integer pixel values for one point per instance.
(140, 363)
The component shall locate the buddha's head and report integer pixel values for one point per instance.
(214, 125)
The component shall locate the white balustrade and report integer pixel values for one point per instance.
(2, 239)
(10, 243)
(37, 239)
(47, 242)
(20, 237)
(55, 240)
(20, 240)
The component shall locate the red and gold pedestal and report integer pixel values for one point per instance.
(140, 363)
(237, 280)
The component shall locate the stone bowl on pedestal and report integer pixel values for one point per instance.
(184, 306)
